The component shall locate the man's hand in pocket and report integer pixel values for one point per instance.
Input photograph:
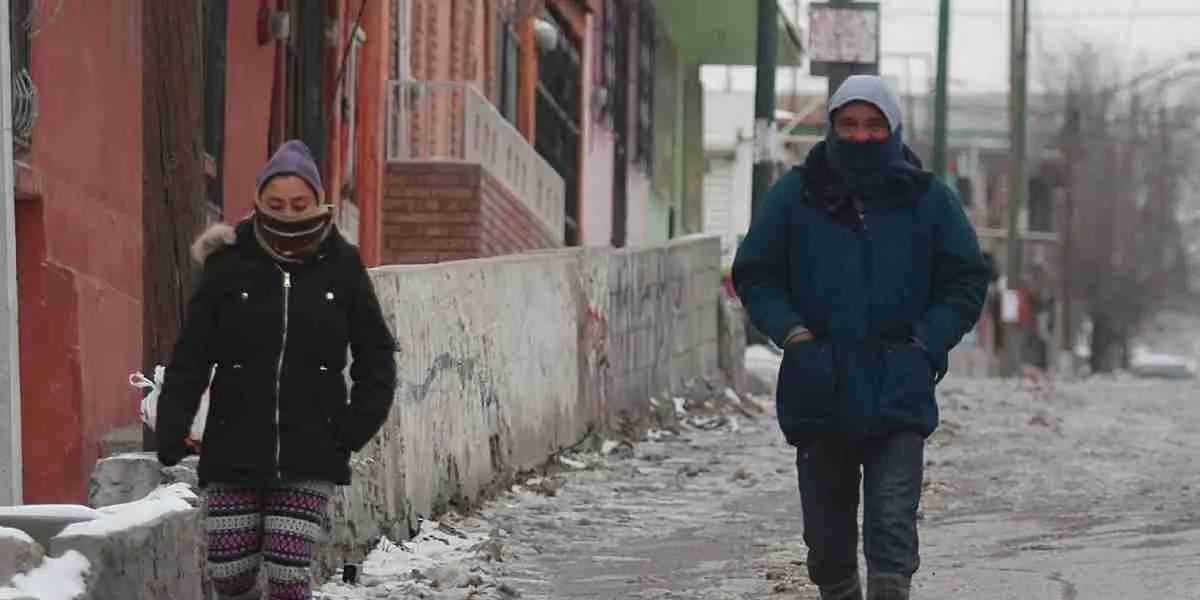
(799, 336)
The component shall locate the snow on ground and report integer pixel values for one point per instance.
(442, 561)
(610, 520)
(60, 578)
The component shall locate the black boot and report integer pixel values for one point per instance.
(888, 587)
(254, 594)
(850, 589)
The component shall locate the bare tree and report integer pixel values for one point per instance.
(1127, 151)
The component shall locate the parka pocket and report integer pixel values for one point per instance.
(807, 384)
(226, 402)
(330, 394)
(908, 377)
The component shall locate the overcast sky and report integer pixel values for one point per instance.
(1137, 33)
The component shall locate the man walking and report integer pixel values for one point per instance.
(865, 270)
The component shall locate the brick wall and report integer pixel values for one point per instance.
(437, 212)
(509, 227)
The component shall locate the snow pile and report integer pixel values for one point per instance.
(16, 534)
(61, 578)
(441, 563)
(161, 503)
(65, 512)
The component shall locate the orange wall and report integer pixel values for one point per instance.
(370, 121)
(79, 246)
(248, 77)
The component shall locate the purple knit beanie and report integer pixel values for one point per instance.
(293, 158)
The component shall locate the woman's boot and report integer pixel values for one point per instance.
(254, 594)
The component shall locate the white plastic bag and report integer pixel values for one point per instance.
(149, 404)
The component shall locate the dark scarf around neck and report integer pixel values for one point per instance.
(868, 177)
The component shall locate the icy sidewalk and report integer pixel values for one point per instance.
(1035, 490)
(707, 510)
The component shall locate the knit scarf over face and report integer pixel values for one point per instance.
(845, 179)
(291, 238)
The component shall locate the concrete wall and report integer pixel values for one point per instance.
(504, 361)
(662, 319)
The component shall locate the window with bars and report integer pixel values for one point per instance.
(559, 115)
(307, 112)
(643, 149)
(215, 18)
(606, 74)
(24, 94)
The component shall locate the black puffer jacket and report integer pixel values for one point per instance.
(277, 335)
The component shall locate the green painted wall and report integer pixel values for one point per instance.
(666, 178)
(694, 163)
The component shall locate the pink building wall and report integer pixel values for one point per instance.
(638, 198)
(598, 187)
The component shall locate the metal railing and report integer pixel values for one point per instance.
(453, 121)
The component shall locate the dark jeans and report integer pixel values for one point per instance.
(891, 473)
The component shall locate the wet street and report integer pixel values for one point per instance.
(1071, 490)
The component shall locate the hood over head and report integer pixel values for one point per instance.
(861, 164)
(873, 90)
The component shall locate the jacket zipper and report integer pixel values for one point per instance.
(867, 255)
(287, 288)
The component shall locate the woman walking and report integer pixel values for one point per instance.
(282, 297)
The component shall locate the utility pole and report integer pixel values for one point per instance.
(764, 103)
(941, 93)
(764, 120)
(173, 177)
(1018, 188)
(11, 482)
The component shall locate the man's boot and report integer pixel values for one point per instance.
(888, 587)
(850, 589)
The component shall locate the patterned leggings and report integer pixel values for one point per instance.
(275, 524)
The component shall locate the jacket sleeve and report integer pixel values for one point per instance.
(959, 285)
(761, 269)
(372, 370)
(187, 373)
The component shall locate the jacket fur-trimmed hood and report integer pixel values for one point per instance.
(214, 238)
(223, 235)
